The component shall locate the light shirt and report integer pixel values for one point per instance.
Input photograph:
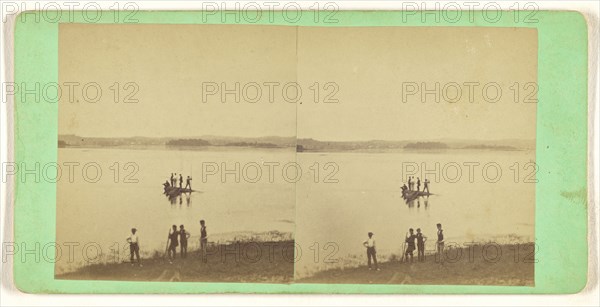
(370, 242)
(132, 239)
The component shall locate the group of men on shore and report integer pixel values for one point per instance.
(177, 237)
(410, 245)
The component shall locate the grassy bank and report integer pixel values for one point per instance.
(504, 265)
(260, 262)
(272, 262)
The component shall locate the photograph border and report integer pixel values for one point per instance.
(561, 152)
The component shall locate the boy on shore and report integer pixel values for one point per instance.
(173, 237)
(184, 235)
(440, 242)
(371, 251)
(203, 240)
(134, 246)
(410, 245)
(420, 245)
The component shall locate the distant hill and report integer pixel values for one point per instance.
(260, 142)
(188, 142)
(277, 141)
(491, 147)
(426, 145)
(307, 145)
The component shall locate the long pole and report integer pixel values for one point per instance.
(404, 247)
(167, 247)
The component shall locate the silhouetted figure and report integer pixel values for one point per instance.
(440, 242)
(426, 185)
(410, 184)
(184, 235)
(410, 245)
(188, 182)
(418, 184)
(180, 181)
(420, 245)
(203, 241)
(173, 238)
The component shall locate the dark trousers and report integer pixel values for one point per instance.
(371, 253)
(203, 247)
(426, 188)
(421, 252)
(188, 185)
(134, 249)
(172, 251)
(409, 252)
(183, 249)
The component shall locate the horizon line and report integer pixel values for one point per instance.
(301, 138)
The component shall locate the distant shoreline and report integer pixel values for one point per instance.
(232, 148)
(297, 144)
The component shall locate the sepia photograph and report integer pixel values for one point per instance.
(293, 154)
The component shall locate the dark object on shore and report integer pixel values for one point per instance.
(412, 195)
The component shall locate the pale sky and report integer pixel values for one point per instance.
(368, 65)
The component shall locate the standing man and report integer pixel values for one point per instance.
(440, 242)
(420, 245)
(418, 184)
(184, 235)
(188, 182)
(180, 181)
(426, 185)
(203, 241)
(371, 251)
(410, 245)
(410, 183)
(172, 179)
(173, 236)
(134, 246)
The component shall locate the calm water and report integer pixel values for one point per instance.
(316, 210)
(368, 199)
(104, 212)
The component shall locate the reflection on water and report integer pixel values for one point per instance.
(177, 198)
(411, 203)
